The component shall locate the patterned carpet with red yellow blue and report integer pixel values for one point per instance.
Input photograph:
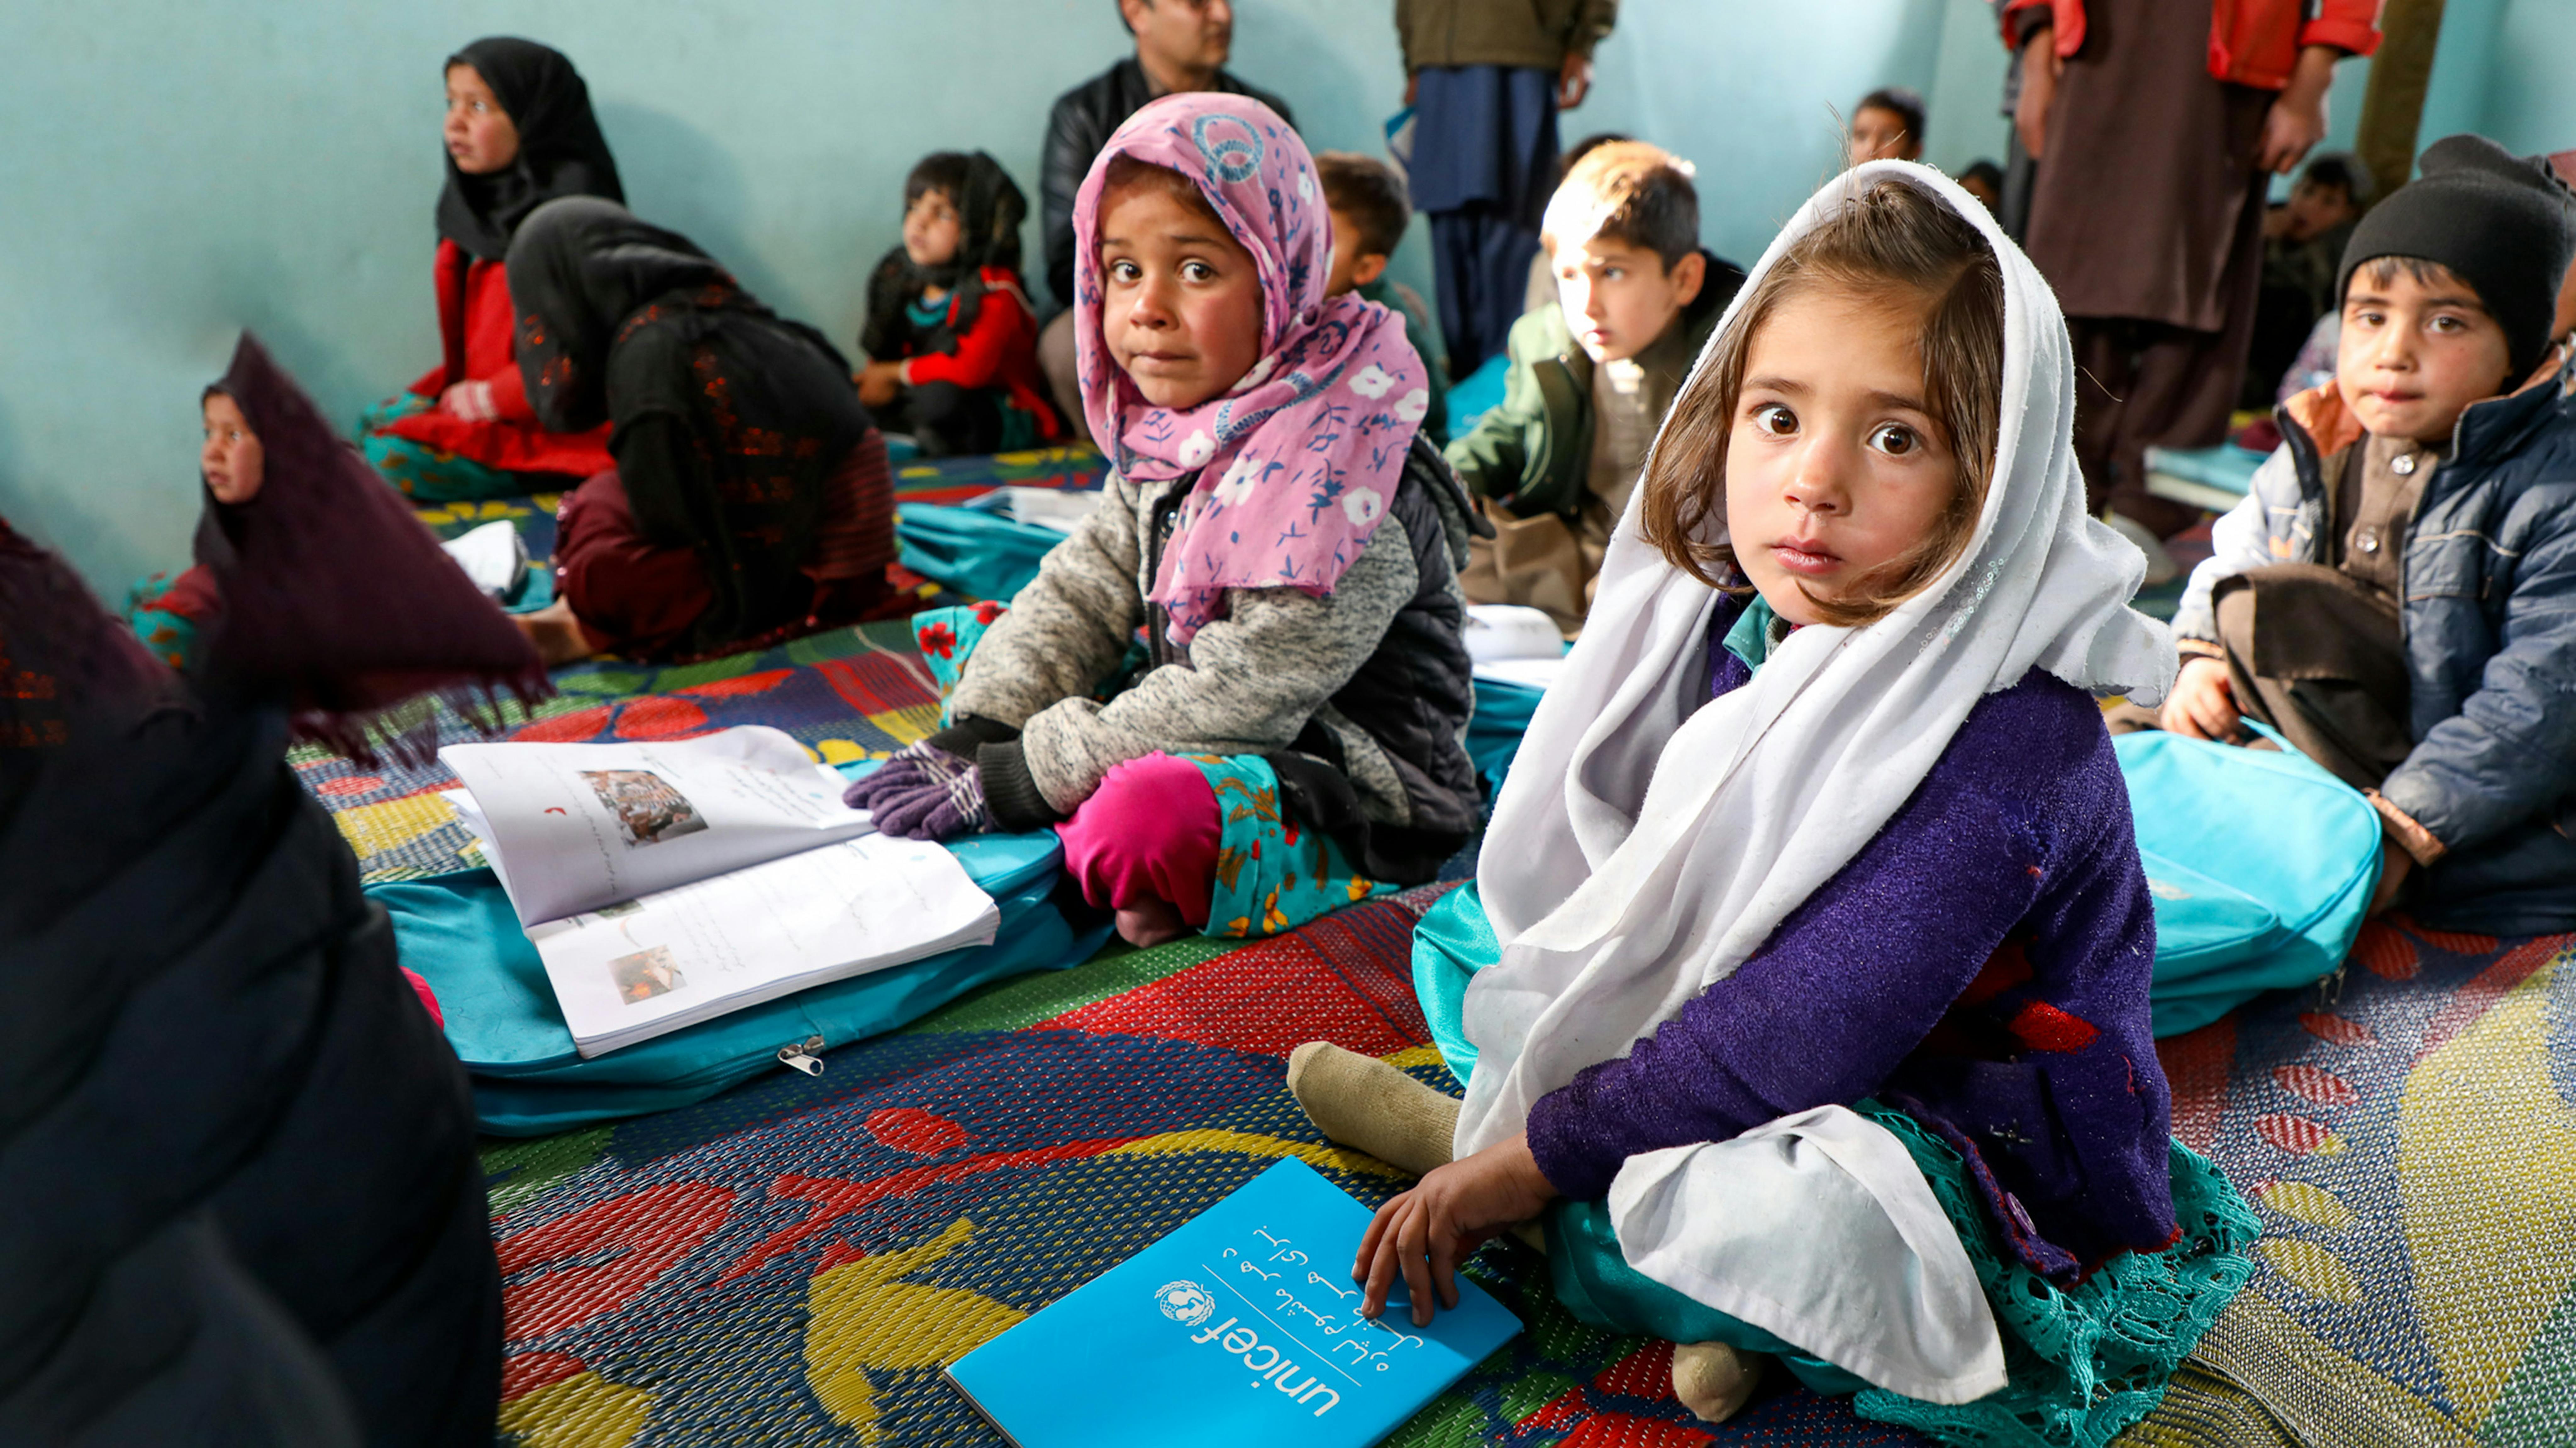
(794, 1261)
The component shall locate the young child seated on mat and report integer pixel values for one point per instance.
(1291, 739)
(1802, 990)
(951, 341)
(1591, 376)
(2303, 242)
(2397, 592)
(519, 133)
(171, 614)
(750, 500)
(1370, 211)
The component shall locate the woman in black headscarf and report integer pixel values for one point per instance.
(750, 499)
(519, 133)
(951, 339)
(239, 1197)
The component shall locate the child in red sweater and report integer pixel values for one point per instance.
(171, 613)
(519, 132)
(951, 340)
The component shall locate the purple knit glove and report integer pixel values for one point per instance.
(923, 793)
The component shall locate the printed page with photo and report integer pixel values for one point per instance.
(631, 971)
(573, 827)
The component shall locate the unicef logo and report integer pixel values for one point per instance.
(1233, 158)
(1185, 1302)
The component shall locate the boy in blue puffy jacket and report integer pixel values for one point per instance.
(2397, 592)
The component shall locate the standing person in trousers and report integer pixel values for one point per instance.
(1486, 79)
(2158, 125)
(1181, 45)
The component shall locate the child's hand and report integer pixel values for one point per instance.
(1573, 81)
(2041, 65)
(2394, 865)
(471, 401)
(2202, 705)
(879, 382)
(2297, 119)
(1451, 1212)
(923, 793)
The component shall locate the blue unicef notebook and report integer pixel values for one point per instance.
(1241, 1328)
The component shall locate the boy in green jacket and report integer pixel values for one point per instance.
(1592, 375)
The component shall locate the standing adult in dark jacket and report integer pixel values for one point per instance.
(1486, 79)
(239, 1201)
(1181, 45)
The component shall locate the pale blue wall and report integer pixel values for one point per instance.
(2506, 69)
(175, 171)
(2532, 98)
(1967, 122)
(178, 169)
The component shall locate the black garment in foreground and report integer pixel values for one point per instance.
(239, 1199)
(728, 417)
(561, 152)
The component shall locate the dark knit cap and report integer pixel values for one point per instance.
(2505, 225)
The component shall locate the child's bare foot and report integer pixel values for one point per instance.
(1154, 922)
(1714, 1380)
(1363, 1102)
(556, 633)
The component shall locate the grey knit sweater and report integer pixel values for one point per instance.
(1371, 680)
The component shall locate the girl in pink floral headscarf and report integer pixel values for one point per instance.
(1274, 525)
(1296, 455)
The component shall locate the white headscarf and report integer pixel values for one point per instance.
(1621, 888)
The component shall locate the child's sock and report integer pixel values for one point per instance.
(1363, 1102)
(1714, 1380)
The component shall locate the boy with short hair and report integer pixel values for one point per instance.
(1592, 376)
(1985, 181)
(2303, 242)
(1370, 213)
(2397, 593)
(1887, 125)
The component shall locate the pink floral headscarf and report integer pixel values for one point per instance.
(1297, 461)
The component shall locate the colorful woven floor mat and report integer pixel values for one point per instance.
(793, 1262)
(958, 480)
(855, 693)
(2411, 1148)
(851, 693)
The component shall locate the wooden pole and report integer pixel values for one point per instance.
(2393, 105)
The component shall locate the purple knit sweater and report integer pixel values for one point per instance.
(1982, 965)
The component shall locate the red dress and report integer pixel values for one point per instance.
(475, 322)
(1000, 350)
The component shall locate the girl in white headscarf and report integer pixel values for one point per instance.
(1802, 992)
